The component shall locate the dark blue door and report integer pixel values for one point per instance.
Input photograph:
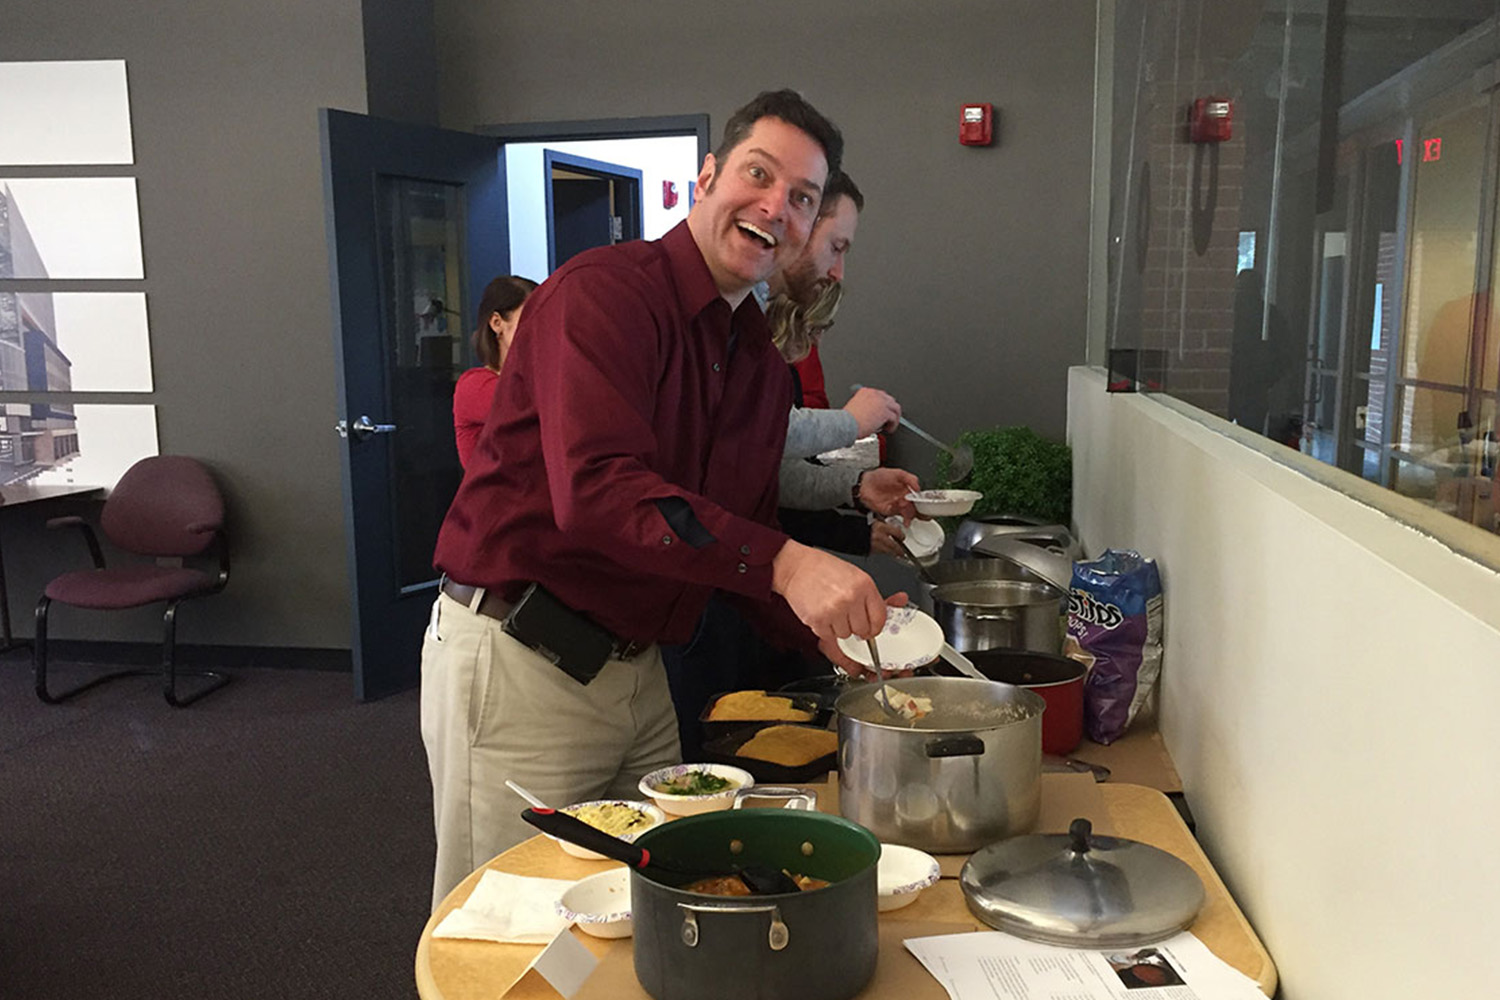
(416, 228)
(590, 203)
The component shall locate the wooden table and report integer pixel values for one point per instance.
(449, 969)
(17, 495)
(1137, 758)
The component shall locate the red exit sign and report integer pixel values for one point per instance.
(1432, 149)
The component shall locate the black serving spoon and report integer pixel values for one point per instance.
(761, 880)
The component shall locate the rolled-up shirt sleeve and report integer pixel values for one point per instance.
(594, 383)
(811, 432)
(807, 486)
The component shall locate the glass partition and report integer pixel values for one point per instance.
(1316, 264)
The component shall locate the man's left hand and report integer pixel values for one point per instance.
(884, 492)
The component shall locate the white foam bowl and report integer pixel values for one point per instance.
(599, 904)
(924, 538)
(910, 639)
(692, 805)
(902, 874)
(656, 816)
(944, 503)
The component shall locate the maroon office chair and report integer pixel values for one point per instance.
(167, 506)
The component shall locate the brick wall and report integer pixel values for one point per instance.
(1188, 279)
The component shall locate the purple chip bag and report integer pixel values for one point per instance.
(1114, 630)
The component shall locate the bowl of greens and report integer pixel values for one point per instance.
(689, 789)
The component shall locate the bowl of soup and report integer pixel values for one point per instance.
(690, 789)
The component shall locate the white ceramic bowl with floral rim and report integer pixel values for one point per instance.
(608, 815)
(903, 872)
(910, 639)
(944, 503)
(599, 904)
(659, 786)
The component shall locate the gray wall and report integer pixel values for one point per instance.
(967, 284)
(223, 101)
(400, 60)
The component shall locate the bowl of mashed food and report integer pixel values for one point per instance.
(616, 817)
(689, 789)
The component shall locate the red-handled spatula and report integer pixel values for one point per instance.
(761, 880)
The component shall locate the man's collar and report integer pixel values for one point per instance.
(696, 290)
(695, 283)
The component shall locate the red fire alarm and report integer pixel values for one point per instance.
(1210, 119)
(975, 124)
(668, 194)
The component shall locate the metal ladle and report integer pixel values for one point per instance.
(881, 698)
(961, 457)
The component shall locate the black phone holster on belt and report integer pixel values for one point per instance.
(577, 645)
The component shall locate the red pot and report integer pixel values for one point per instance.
(1057, 679)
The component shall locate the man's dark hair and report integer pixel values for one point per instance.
(840, 185)
(792, 108)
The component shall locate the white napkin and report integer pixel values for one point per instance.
(512, 908)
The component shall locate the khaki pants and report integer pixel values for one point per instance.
(493, 709)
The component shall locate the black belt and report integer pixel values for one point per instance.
(492, 605)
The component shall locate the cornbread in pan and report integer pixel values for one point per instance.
(790, 746)
(756, 706)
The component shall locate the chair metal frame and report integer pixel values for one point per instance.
(215, 679)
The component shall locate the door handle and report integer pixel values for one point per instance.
(362, 428)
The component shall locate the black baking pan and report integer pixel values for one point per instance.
(724, 749)
(713, 728)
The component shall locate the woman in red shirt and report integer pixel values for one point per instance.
(499, 313)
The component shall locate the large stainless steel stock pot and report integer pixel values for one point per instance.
(965, 775)
(1000, 614)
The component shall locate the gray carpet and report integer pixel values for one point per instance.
(272, 840)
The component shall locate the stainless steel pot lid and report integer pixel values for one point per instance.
(1056, 567)
(1081, 891)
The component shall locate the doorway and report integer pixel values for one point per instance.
(590, 203)
(667, 154)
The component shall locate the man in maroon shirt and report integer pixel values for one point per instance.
(627, 470)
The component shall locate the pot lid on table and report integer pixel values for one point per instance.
(1081, 890)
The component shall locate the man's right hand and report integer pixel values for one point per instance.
(832, 597)
(873, 410)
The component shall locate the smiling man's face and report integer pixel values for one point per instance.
(754, 212)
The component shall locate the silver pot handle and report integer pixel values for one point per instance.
(778, 938)
(966, 745)
(792, 798)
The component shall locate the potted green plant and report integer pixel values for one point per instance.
(1018, 471)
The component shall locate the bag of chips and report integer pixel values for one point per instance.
(1114, 630)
